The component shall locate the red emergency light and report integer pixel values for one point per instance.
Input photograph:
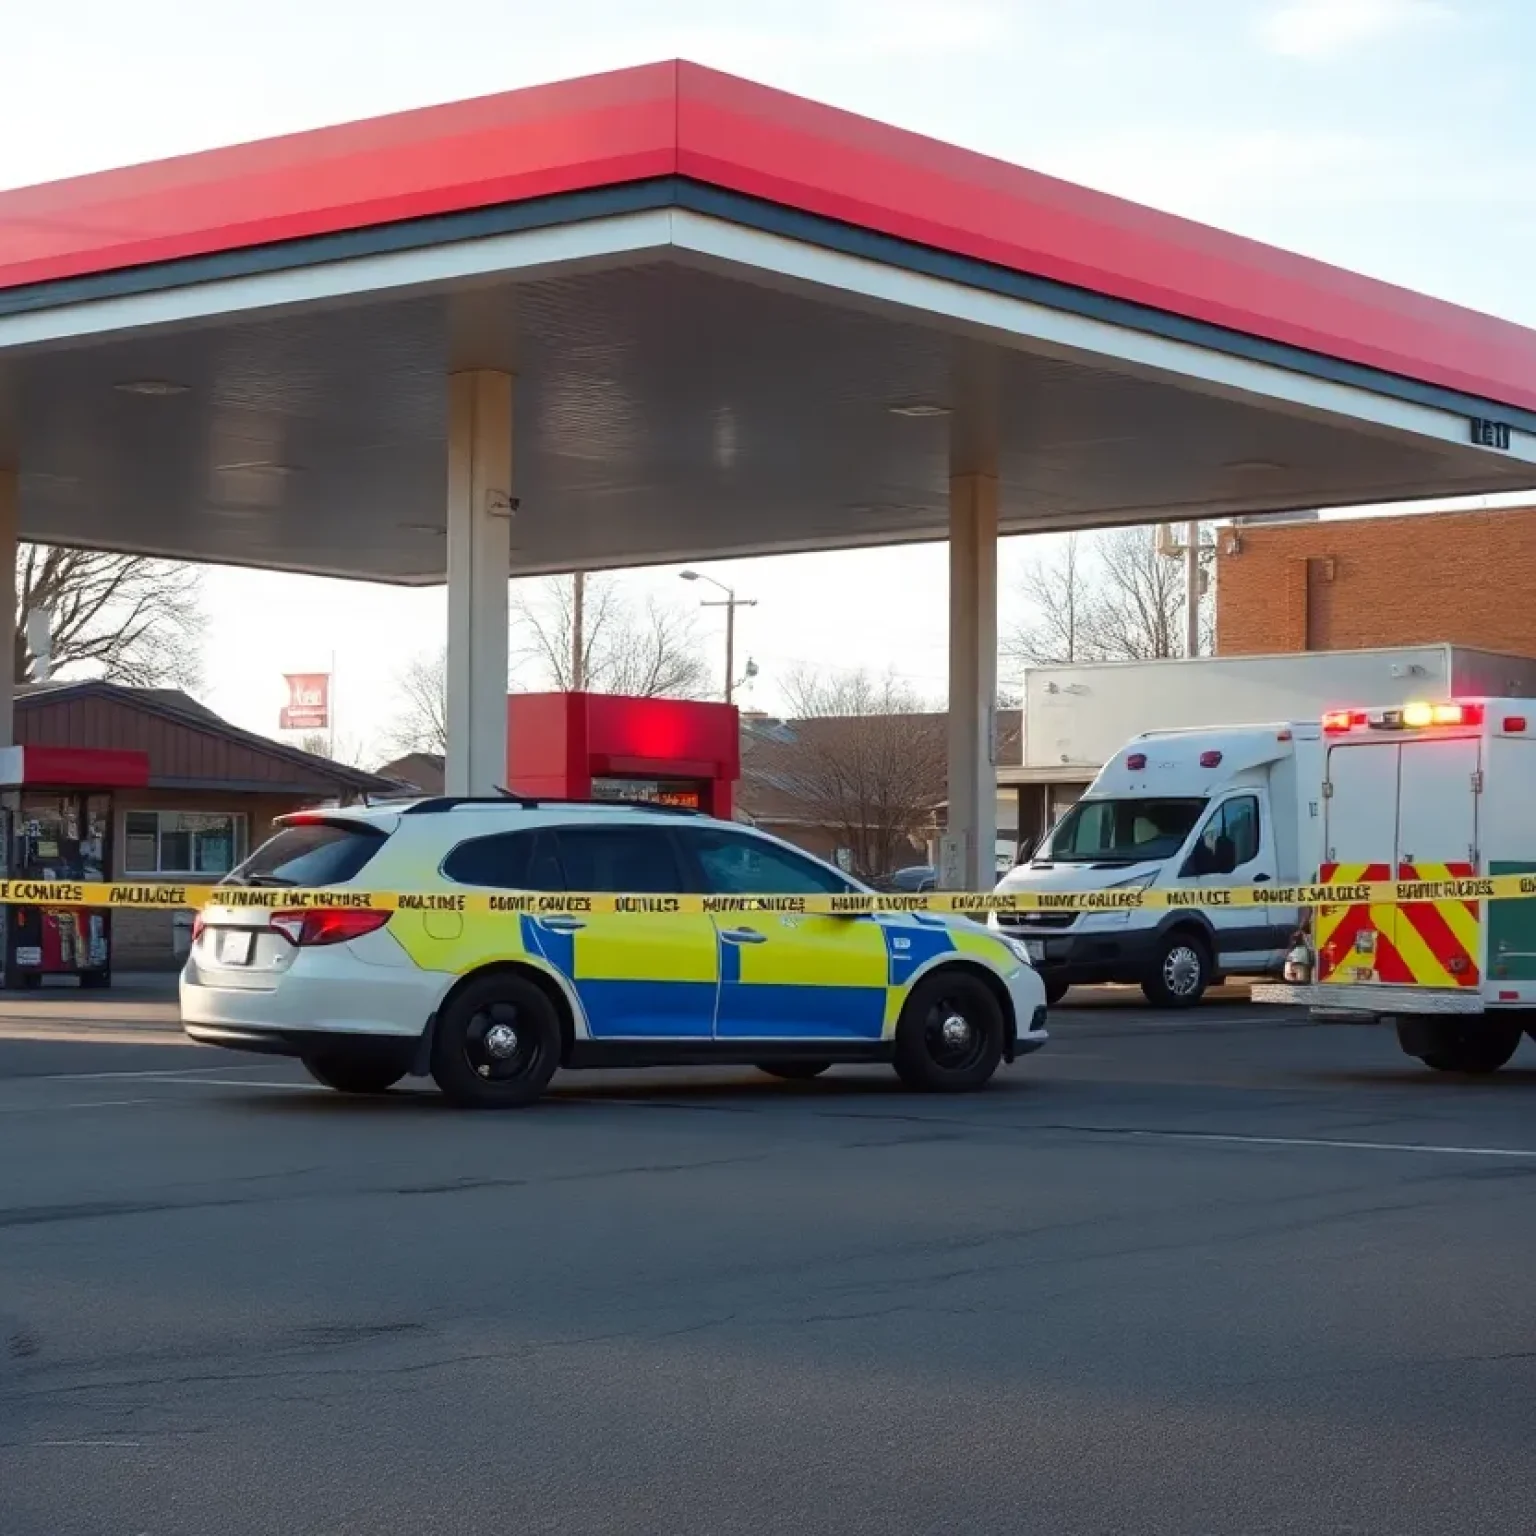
(1416, 716)
(1339, 720)
(1136, 761)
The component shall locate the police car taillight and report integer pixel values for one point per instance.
(327, 925)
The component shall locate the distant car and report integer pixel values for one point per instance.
(916, 877)
(492, 1003)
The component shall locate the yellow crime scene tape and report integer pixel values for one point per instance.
(170, 897)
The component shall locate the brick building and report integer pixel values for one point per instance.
(212, 795)
(1465, 578)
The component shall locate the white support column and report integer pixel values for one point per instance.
(479, 528)
(969, 857)
(9, 498)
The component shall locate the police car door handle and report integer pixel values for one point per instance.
(743, 936)
(563, 924)
(1260, 879)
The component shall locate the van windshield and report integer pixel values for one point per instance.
(1122, 831)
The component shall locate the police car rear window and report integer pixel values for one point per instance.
(508, 861)
(313, 853)
(599, 859)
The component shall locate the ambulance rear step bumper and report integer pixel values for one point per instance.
(1364, 1003)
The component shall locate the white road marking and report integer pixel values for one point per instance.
(113, 1445)
(89, 1077)
(51, 1109)
(1520, 1154)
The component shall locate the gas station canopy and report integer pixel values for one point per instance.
(739, 323)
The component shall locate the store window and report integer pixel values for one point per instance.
(182, 842)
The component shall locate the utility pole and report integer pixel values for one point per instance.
(578, 626)
(731, 603)
(1192, 590)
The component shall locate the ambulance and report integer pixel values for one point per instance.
(1180, 811)
(1445, 794)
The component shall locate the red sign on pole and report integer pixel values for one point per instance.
(309, 702)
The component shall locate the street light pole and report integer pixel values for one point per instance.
(730, 604)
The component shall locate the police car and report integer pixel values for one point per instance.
(491, 1003)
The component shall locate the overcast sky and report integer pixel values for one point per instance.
(1392, 136)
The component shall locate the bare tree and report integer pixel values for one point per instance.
(122, 617)
(866, 759)
(421, 722)
(1114, 597)
(650, 653)
(1060, 596)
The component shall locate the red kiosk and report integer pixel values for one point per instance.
(57, 813)
(604, 746)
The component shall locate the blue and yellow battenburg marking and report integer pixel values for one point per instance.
(680, 976)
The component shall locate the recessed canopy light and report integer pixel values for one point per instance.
(436, 528)
(920, 408)
(1253, 466)
(152, 387)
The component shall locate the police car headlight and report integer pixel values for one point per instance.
(1018, 949)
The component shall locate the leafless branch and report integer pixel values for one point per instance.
(652, 653)
(421, 722)
(122, 617)
(866, 759)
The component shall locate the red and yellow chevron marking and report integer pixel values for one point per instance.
(1419, 944)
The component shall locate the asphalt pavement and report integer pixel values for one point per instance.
(1232, 1273)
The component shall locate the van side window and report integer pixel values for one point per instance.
(1230, 838)
(1241, 817)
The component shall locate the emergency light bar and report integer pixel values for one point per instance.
(1408, 717)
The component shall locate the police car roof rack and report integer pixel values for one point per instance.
(436, 803)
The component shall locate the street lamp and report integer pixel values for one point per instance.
(730, 603)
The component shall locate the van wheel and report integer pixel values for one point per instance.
(949, 1038)
(354, 1074)
(1448, 1045)
(1180, 972)
(794, 1071)
(497, 1044)
(1055, 989)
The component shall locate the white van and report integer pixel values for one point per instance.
(1233, 805)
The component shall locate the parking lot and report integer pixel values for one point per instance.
(1229, 1272)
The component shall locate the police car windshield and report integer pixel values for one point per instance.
(1122, 831)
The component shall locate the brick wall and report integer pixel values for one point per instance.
(1467, 578)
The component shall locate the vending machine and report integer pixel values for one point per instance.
(57, 810)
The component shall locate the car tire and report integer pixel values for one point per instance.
(1180, 971)
(794, 1071)
(348, 1073)
(496, 1044)
(949, 1038)
(1055, 989)
(1448, 1045)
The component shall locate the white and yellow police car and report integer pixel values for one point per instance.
(490, 1003)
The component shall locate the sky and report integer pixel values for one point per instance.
(1395, 137)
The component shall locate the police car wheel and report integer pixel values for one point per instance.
(794, 1071)
(949, 1038)
(497, 1044)
(353, 1074)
